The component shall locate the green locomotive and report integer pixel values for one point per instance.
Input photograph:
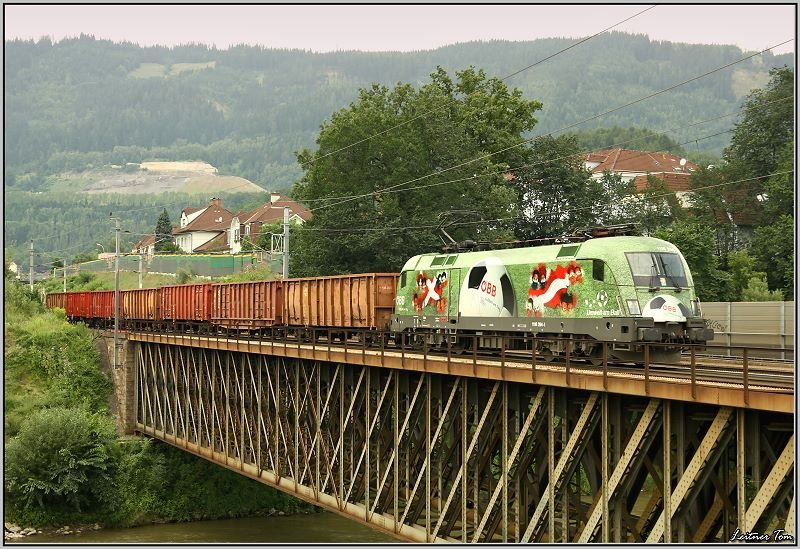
(625, 290)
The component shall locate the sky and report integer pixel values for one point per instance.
(323, 28)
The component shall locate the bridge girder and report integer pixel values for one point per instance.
(436, 457)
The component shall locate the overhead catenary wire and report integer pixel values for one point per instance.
(528, 165)
(520, 217)
(583, 153)
(372, 193)
(503, 79)
(525, 141)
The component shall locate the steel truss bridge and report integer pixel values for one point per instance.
(465, 448)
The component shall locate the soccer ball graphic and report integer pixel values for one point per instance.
(487, 291)
(666, 308)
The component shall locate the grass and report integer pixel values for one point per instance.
(220, 183)
(149, 70)
(105, 281)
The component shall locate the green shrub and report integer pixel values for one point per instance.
(61, 460)
(140, 483)
(182, 277)
(255, 273)
(84, 278)
(62, 357)
(20, 302)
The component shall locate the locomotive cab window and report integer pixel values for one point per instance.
(657, 269)
(598, 269)
(403, 279)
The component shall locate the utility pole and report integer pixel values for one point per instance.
(285, 242)
(65, 274)
(140, 270)
(116, 298)
(30, 274)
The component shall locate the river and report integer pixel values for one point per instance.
(314, 528)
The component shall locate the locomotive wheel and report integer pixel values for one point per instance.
(546, 354)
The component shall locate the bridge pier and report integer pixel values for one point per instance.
(444, 457)
(123, 378)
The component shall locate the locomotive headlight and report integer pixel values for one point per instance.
(633, 307)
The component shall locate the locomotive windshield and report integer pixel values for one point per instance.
(657, 269)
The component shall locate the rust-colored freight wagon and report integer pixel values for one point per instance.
(350, 301)
(186, 302)
(79, 304)
(140, 304)
(102, 304)
(56, 300)
(246, 305)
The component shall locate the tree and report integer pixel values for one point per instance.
(247, 245)
(741, 268)
(765, 125)
(757, 290)
(652, 208)
(697, 247)
(773, 249)
(377, 201)
(556, 193)
(163, 232)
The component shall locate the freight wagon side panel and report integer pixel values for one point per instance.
(385, 291)
(349, 301)
(56, 300)
(78, 304)
(102, 304)
(186, 302)
(247, 305)
(140, 304)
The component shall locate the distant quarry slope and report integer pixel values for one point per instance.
(156, 177)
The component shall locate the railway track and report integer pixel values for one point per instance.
(762, 374)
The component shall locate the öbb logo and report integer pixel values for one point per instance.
(488, 288)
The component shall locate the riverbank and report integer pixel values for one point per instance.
(323, 527)
(13, 531)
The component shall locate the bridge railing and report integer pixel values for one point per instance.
(752, 368)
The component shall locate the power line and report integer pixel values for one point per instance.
(525, 141)
(611, 146)
(52, 253)
(520, 217)
(579, 42)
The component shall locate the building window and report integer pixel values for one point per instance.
(247, 230)
(236, 235)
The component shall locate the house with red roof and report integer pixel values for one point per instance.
(635, 166)
(249, 224)
(204, 229)
(146, 246)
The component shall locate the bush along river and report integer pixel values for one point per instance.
(315, 527)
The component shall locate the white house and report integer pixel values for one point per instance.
(249, 224)
(204, 229)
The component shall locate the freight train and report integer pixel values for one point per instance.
(564, 297)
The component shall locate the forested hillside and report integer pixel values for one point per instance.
(247, 109)
(85, 104)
